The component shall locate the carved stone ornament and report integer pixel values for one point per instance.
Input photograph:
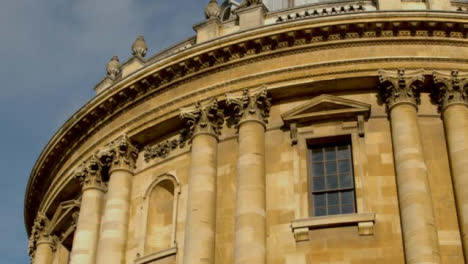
(161, 150)
(89, 174)
(139, 47)
(400, 86)
(246, 3)
(212, 10)
(38, 230)
(119, 154)
(202, 118)
(450, 89)
(113, 67)
(249, 105)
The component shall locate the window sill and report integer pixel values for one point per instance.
(364, 221)
(156, 256)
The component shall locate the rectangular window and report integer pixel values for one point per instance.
(331, 180)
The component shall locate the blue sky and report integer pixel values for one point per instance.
(52, 53)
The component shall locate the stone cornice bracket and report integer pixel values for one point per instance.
(38, 233)
(89, 174)
(400, 87)
(253, 105)
(120, 154)
(202, 118)
(450, 89)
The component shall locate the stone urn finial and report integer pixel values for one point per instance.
(212, 10)
(139, 47)
(113, 67)
(246, 3)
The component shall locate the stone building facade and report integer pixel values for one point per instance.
(284, 132)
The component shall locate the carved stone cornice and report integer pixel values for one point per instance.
(202, 118)
(253, 105)
(120, 154)
(400, 87)
(38, 232)
(450, 89)
(89, 174)
(160, 150)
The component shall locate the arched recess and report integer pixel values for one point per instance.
(160, 204)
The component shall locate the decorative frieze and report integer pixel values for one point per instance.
(89, 174)
(400, 86)
(249, 105)
(119, 154)
(202, 118)
(160, 150)
(450, 89)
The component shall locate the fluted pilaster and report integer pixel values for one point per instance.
(401, 93)
(250, 110)
(451, 93)
(120, 155)
(204, 122)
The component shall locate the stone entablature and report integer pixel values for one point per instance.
(142, 84)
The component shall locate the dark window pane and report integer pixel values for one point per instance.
(342, 152)
(319, 211)
(347, 209)
(347, 197)
(333, 199)
(330, 167)
(319, 200)
(332, 182)
(330, 153)
(333, 210)
(344, 166)
(317, 154)
(346, 181)
(319, 183)
(317, 169)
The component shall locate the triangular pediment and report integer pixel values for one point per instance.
(325, 107)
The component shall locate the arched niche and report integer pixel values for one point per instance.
(159, 215)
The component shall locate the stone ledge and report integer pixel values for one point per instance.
(364, 221)
(156, 256)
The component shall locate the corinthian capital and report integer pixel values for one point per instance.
(89, 174)
(401, 86)
(253, 105)
(119, 154)
(450, 89)
(38, 231)
(202, 118)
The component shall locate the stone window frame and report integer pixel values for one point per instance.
(142, 256)
(309, 122)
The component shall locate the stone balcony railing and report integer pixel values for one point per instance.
(320, 10)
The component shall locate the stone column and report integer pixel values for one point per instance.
(45, 247)
(41, 243)
(204, 122)
(401, 93)
(251, 111)
(451, 92)
(120, 155)
(85, 241)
